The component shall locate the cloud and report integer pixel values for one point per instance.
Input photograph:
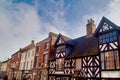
(111, 12)
(20, 23)
(114, 12)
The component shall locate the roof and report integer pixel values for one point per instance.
(16, 52)
(51, 34)
(5, 61)
(30, 46)
(64, 38)
(104, 19)
(83, 46)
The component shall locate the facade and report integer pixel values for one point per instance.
(93, 56)
(108, 35)
(4, 68)
(43, 51)
(14, 65)
(27, 60)
(8, 68)
(75, 58)
(0, 65)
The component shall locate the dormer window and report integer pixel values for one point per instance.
(60, 41)
(60, 49)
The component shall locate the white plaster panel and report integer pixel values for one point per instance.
(110, 74)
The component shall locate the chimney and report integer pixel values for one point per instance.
(32, 42)
(90, 27)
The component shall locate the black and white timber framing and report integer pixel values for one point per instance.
(87, 57)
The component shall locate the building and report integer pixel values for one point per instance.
(44, 49)
(0, 65)
(4, 68)
(93, 56)
(27, 60)
(108, 36)
(14, 65)
(8, 70)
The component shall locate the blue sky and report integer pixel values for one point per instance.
(24, 20)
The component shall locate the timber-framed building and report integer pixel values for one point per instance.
(93, 56)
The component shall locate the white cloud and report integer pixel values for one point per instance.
(112, 12)
(20, 23)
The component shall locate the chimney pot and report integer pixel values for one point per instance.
(32, 42)
(90, 27)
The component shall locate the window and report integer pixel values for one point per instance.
(31, 64)
(47, 45)
(45, 60)
(110, 60)
(60, 49)
(108, 37)
(27, 65)
(37, 61)
(33, 53)
(60, 64)
(18, 55)
(28, 54)
(21, 66)
(68, 49)
(24, 66)
(37, 48)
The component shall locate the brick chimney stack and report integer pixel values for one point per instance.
(90, 27)
(32, 42)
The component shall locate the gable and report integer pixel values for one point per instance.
(60, 40)
(105, 25)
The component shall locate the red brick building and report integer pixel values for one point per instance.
(8, 67)
(14, 65)
(43, 50)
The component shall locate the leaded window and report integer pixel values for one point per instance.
(108, 37)
(110, 60)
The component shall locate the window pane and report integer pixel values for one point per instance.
(102, 60)
(110, 34)
(110, 60)
(114, 33)
(117, 59)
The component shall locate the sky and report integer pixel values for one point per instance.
(24, 20)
